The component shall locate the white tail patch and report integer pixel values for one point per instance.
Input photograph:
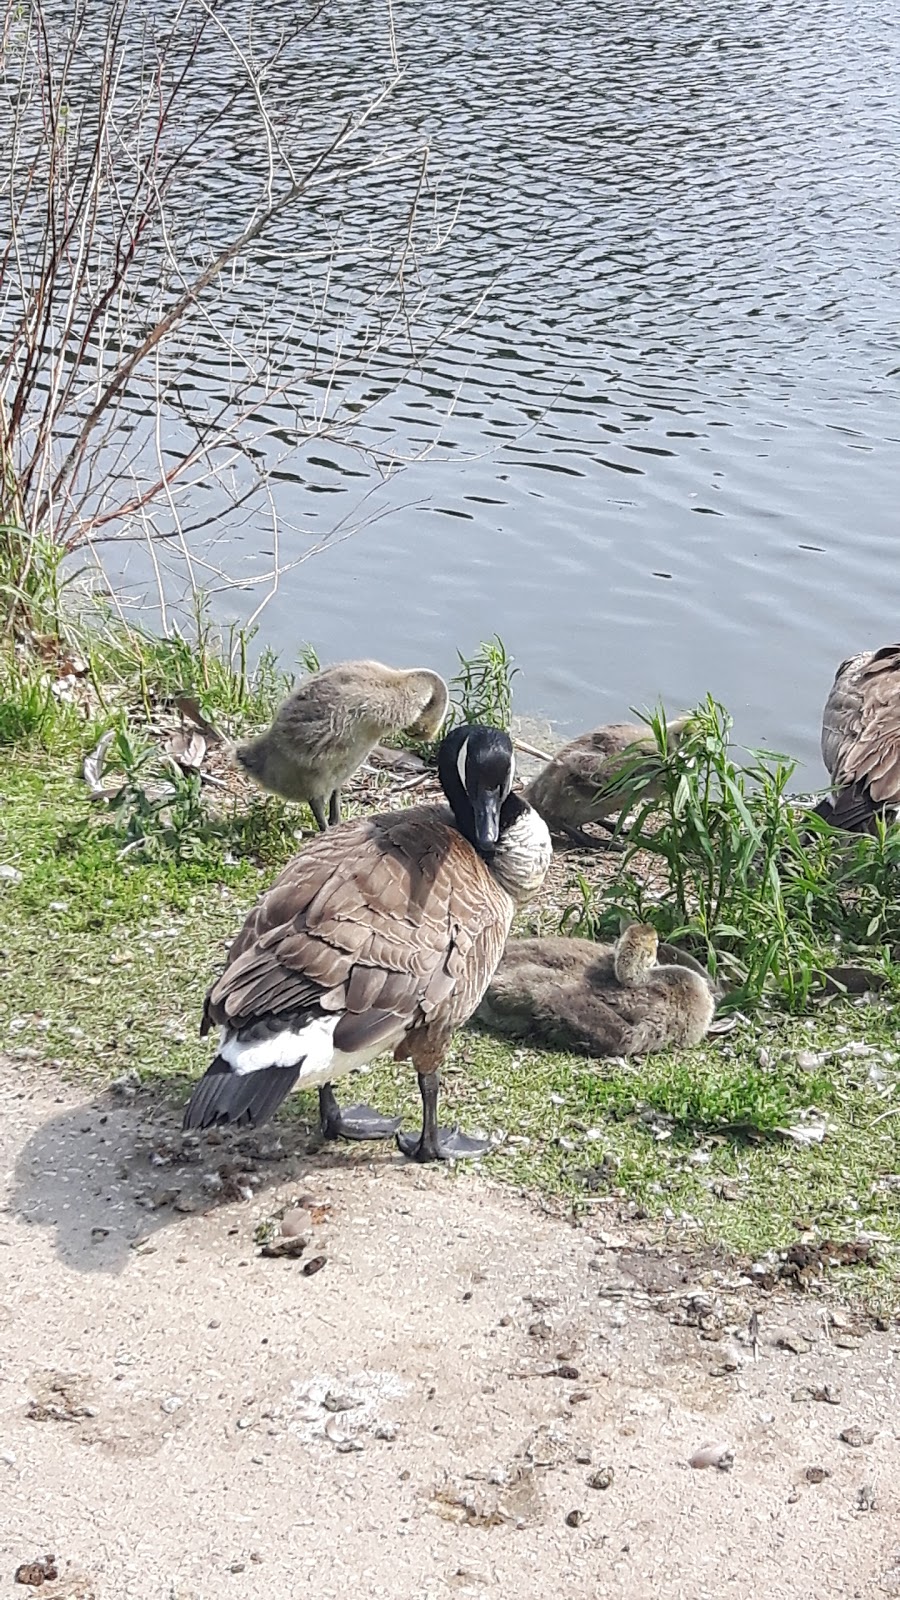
(312, 1044)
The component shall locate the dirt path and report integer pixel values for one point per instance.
(165, 1391)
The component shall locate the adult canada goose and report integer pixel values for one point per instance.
(381, 935)
(330, 721)
(599, 775)
(861, 739)
(598, 1000)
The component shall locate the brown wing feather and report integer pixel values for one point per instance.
(394, 915)
(861, 726)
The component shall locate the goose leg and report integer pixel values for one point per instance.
(584, 839)
(318, 811)
(334, 809)
(434, 1143)
(357, 1122)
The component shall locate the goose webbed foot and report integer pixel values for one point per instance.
(434, 1143)
(357, 1122)
(448, 1145)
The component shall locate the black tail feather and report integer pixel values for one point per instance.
(853, 809)
(226, 1096)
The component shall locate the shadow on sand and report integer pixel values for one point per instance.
(110, 1173)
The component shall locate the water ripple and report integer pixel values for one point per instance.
(686, 226)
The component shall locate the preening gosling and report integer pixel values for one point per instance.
(861, 739)
(382, 934)
(597, 1000)
(331, 721)
(599, 775)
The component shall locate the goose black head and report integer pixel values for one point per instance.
(476, 767)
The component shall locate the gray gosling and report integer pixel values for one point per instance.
(331, 721)
(598, 776)
(598, 1000)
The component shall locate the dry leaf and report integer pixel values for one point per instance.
(189, 706)
(188, 749)
(811, 1132)
(293, 1244)
(93, 766)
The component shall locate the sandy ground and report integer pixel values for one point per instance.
(182, 1418)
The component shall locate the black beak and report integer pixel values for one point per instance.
(486, 806)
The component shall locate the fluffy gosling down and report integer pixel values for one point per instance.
(331, 721)
(599, 775)
(382, 934)
(597, 1000)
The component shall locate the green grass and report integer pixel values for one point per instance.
(766, 893)
(106, 951)
(105, 962)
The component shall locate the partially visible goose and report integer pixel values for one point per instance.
(861, 739)
(331, 721)
(598, 1000)
(381, 935)
(599, 775)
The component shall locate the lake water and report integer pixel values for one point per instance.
(672, 456)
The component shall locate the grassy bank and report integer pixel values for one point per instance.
(116, 912)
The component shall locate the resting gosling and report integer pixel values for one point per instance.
(861, 739)
(329, 723)
(599, 775)
(598, 1000)
(382, 934)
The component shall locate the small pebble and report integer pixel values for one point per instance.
(865, 1497)
(797, 1343)
(601, 1479)
(244, 1422)
(315, 1265)
(293, 1223)
(172, 1402)
(856, 1437)
(575, 1519)
(731, 1358)
(817, 1474)
(714, 1455)
(338, 1402)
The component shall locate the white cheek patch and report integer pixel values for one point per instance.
(512, 775)
(462, 761)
